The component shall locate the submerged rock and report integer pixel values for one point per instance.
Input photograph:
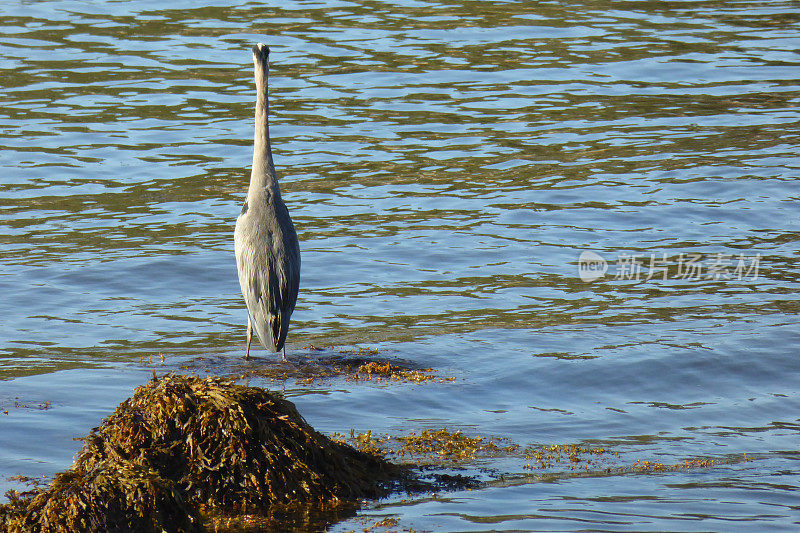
(185, 448)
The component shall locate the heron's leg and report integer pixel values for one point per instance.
(249, 337)
(284, 353)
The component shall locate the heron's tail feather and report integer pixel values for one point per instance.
(275, 327)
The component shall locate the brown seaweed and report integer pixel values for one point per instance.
(184, 449)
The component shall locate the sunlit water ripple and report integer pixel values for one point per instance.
(445, 163)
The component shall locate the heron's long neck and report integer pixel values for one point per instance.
(263, 174)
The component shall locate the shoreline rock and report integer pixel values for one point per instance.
(185, 449)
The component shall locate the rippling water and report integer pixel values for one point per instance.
(445, 162)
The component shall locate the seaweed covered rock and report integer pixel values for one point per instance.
(111, 498)
(184, 447)
(231, 447)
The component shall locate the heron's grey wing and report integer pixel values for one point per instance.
(253, 264)
(290, 272)
(285, 279)
(271, 302)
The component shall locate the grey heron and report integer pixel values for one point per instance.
(265, 242)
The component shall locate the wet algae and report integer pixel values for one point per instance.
(184, 451)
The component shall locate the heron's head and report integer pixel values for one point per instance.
(261, 54)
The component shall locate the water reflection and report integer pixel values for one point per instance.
(417, 149)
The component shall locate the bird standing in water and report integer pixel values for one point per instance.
(265, 242)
